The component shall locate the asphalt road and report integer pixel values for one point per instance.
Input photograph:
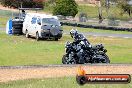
(105, 34)
(99, 34)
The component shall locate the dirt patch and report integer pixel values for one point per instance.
(53, 72)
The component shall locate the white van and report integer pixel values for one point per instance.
(42, 26)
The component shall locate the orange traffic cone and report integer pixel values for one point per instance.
(81, 71)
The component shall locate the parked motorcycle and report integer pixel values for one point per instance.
(80, 51)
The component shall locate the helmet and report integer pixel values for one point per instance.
(73, 32)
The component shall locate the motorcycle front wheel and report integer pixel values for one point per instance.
(104, 59)
(65, 60)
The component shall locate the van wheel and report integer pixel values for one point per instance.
(37, 36)
(27, 35)
(56, 39)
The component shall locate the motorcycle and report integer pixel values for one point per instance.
(81, 52)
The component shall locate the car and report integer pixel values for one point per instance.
(42, 26)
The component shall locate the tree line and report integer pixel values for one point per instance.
(63, 7)
(23, 3)
(124, 5)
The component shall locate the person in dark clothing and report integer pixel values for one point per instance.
(23, 13)
(81, 42)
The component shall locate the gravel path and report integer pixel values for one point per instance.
(53, 71)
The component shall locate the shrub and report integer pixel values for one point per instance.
(65, 8)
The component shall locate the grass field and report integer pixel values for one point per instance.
(92, 12)
(66, 82)
(3, 21)
(18, 50)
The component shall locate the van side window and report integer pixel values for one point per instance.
(33, 20)
(39, 21)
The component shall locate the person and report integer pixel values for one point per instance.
(23, 13)
(78, 39)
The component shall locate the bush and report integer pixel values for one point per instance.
(65, 8)
(124, 6)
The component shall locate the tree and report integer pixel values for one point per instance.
(65, 8)
(26, 3)
(125, 7)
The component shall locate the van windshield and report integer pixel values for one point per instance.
(50, 21)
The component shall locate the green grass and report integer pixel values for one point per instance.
(18, 50)
(3, 21)
(21, 51)
(66, 82)
(68, 28)
(92, 12)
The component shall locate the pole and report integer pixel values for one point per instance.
(19, 9)
(21, 4)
